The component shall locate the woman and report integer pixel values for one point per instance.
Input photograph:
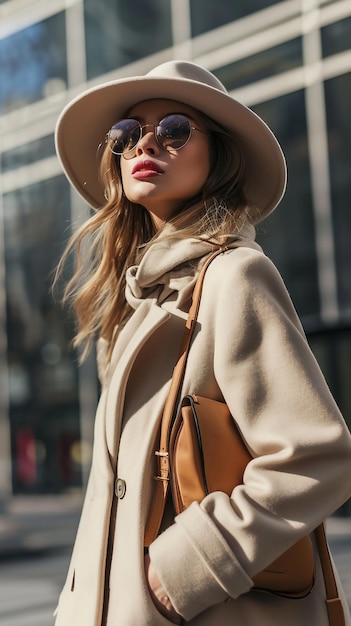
(175, 168)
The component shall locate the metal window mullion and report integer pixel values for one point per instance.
(20, 15)
(319, 161)
(181, 29)
(77, 75)
(30, 174)
(252, 44)
(75, 44)
(245, 27)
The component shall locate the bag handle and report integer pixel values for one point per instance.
(335, 609)
(162, 479)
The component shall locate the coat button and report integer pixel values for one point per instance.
(120, 488)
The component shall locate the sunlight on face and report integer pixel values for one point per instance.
(160, 180)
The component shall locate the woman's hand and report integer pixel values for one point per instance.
(159, 595)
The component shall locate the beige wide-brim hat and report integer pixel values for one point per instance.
(83, 124)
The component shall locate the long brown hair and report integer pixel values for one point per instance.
(118, 234)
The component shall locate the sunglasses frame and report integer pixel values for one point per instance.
(155, 127)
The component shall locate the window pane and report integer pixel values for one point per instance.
(288, 235)
(338, 93)
(267, 63)
(120, 32)
(336, 37)
(33, 63)
(28, 153)
(207, 14)
(332, 348)
(44, 411)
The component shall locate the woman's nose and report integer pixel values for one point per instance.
(147, 142)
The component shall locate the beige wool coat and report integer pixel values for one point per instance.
(249, 350)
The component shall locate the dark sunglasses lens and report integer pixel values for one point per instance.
(173, 132)
(124, 136)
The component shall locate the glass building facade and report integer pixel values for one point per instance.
(289, 60)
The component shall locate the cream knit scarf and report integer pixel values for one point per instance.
(169, 268)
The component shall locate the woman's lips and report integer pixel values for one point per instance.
(146, 169)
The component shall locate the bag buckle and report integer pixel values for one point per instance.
(162, 464)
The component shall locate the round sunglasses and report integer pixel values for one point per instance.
(171, 133)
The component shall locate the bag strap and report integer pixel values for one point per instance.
(335, 609)
(162, 478)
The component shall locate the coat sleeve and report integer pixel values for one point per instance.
(301, 447)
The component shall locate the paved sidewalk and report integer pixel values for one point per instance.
(34, 523)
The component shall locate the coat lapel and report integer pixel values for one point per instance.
(140, 327)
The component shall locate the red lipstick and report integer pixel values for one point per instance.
(146, 169)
